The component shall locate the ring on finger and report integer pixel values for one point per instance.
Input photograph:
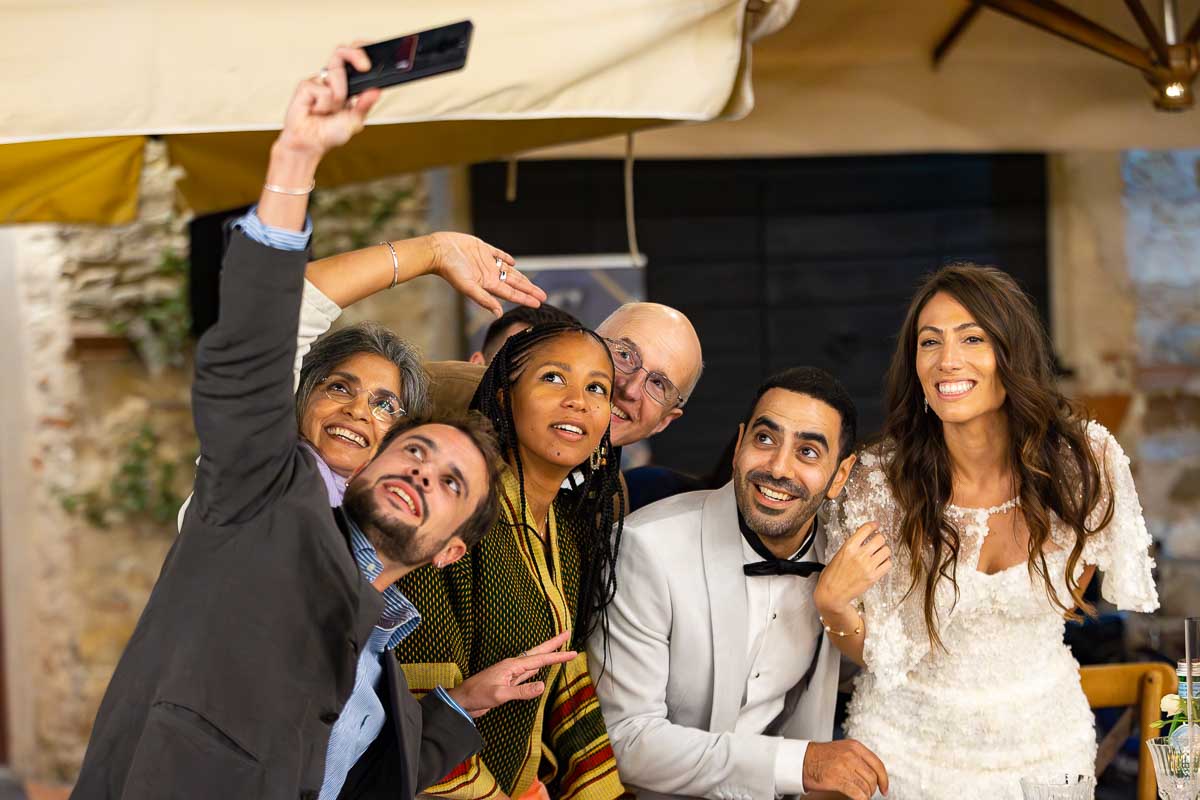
(523, 654)
(323, 75)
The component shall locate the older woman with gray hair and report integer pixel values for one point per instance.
(353, 384)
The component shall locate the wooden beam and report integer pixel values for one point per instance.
(1153, 37)
(1053, 17)
(1193, 34)
(1112, 742)
(956, 30)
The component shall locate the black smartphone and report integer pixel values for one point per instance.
(412, 57)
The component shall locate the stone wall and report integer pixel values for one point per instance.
(108, 441)
(1162, 195)
(1125, 246)
(1162, 200)
(90, 566)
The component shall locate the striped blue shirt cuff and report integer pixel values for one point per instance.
(442, 693)
(278, 238)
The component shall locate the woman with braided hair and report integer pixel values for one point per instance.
(544, 570)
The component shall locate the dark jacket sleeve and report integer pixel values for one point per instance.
(242, 397)
(447, 740)
(399, 764)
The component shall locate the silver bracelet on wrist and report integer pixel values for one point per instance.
(395, 264)
(271, 187)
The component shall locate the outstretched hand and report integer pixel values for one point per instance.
(473, 267)
(318, 117)
(506, 680)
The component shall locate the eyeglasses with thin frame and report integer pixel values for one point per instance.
(384, 406)
(628, 360)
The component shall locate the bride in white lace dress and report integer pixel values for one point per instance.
(1006, 501)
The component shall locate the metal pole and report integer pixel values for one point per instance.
(1170, 21)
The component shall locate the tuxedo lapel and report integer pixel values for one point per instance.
(721, 544)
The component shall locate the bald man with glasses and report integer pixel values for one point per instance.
(658, 359)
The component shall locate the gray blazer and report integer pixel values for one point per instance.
(248, 646)
(671, 675)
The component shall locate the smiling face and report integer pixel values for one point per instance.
(786, 463)
(667, 344)
(956, 362)
(346, 434)
(560, 401)
(412, 500)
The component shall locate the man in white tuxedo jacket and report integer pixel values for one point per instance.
(715, 677)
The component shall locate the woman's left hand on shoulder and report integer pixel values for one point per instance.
(860, 563)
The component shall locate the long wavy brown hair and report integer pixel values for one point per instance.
(1054, 468)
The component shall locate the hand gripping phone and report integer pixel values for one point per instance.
(412, 57)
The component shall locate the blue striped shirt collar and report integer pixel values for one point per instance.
(400, 617)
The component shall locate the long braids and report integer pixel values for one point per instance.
(592, 509)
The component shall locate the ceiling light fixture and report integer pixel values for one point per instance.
(1170, 66)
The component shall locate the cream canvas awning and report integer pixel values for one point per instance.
(856, 77)
(84, 82)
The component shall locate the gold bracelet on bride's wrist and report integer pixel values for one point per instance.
(843, 634)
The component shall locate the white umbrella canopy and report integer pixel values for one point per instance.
(85, 80)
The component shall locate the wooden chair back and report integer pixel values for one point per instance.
(1140, 687)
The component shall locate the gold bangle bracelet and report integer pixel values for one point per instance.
(843, 634)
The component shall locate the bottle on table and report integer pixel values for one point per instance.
(1180, 736)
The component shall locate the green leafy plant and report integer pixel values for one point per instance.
(1173, 705)
(160, 327)
(363, 218)
(142, 487)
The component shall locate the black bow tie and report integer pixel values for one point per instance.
(770, 565)
(782, 566)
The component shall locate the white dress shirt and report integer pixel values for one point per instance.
(782, 634)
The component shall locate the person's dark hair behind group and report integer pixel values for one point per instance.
(544, 314)
(599, 502)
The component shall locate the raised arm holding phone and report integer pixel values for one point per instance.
(260, 666)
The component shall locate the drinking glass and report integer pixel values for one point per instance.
(1176, 768)
(1059, 787)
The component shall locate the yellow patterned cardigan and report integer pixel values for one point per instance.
(509, 594)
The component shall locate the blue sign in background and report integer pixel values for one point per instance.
(589, 294)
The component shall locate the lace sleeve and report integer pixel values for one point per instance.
(896, 639)
(1122, 549)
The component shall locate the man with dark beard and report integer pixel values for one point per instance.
(715, 676)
